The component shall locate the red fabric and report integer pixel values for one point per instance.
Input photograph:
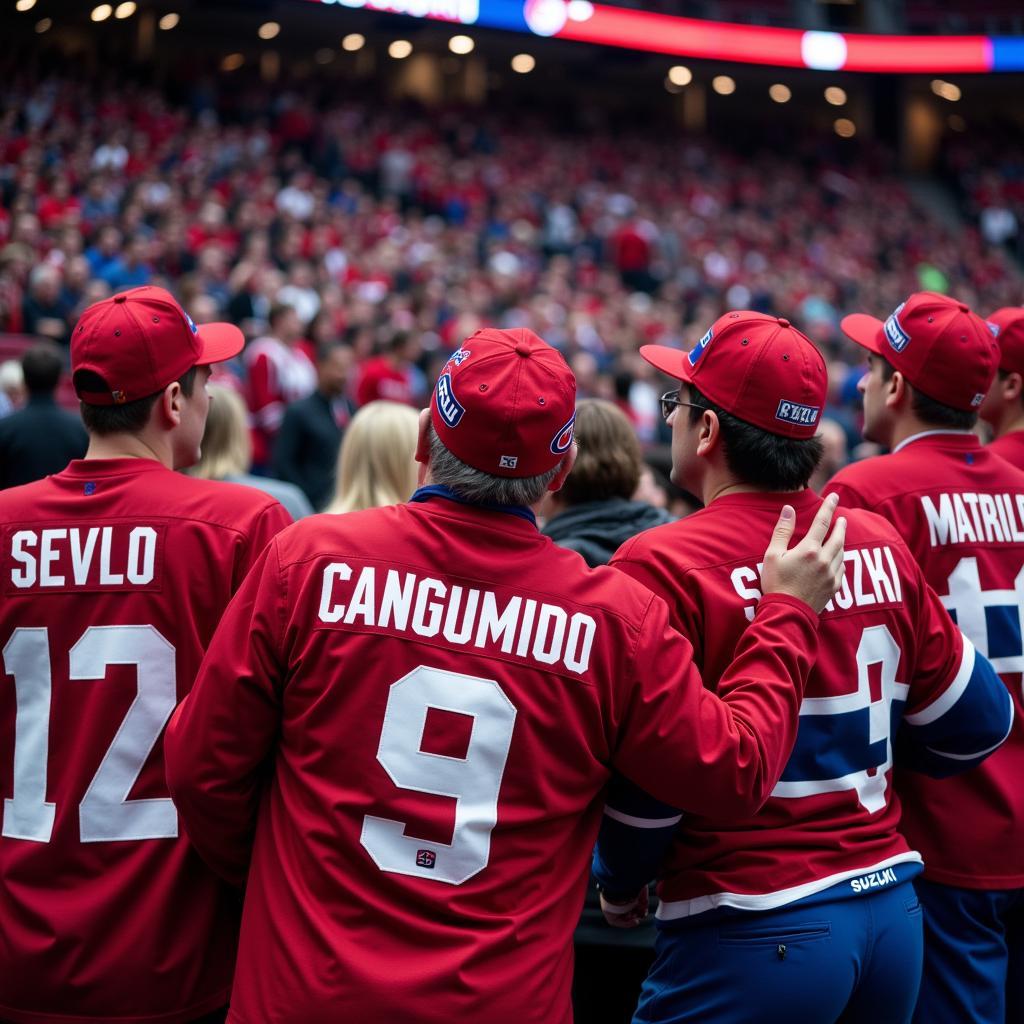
(379, 379)
(970, 829)
(133, 930)
(307, 691)
(1010, 447)
(707, 569)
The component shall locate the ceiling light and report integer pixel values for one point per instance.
(523, 63)
(680, 75)
(125, 10)
(723, 85)
(461, 44)
(845, 128)
(269, 30)
(353, 41)
(102, 12)
(25, 5)
(835, 95)
(168, 21)
(44, 25)
(232, 62)
(947, 90)
(400, 49)
(780, 93)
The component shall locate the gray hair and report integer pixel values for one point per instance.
(483, 488)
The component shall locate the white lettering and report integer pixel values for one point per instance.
(48, 555)
(497, 627)
(335, 571)
(25, 577)
(423, 603)
(361, 602)
(548, 652)
(142, 540)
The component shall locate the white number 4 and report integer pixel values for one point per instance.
(105, 813)
(474, 781)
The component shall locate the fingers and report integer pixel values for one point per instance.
(822, 520)
(782, 533)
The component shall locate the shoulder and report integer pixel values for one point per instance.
(231, 506)
(25, 497)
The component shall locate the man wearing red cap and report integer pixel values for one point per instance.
(803, 911)
(1003, 408)
(960, 508)
(413, 741)
(114, 574)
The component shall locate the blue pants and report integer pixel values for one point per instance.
(974, 955)
(857, 961)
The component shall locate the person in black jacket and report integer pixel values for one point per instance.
(41, 438)
(306, 447)
(594, 512)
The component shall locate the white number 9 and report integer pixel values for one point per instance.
(474, 781)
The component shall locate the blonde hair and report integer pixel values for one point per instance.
(376, 464)
(227, 444)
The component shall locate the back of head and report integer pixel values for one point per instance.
(41, 366)
(376, 464)
(502, 418)
(610, 460)
(227, 445)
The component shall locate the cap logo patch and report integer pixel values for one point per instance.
(698, 350)
(191, 323)
(119, 397)
(459, 357)
(977, 400)
(794, 412)
(562, 441)
(508, 461)
(897, 337)
(994, 328)
(448, 406)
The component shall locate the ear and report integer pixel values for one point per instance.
(897, 392)
(171, 404)
(564, 469)
(709, 435)
(1013, 386)
(423, 438)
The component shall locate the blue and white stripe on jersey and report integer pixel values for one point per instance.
(967, 722)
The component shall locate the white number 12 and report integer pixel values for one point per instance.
(105, 813)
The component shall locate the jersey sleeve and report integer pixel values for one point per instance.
(849, 495)
(636, 833)
(219, 739)
(716, 754)
(661, 576)
(958, 710)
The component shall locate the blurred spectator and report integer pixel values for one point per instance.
(280, 370)
(835, 456)
(376, 464)
(390, 376)
(226, 453)
(306, 448)
(594, 512)
(44, 310)
(41, 438)
(12, 387)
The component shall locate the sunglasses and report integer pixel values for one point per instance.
(670, 402)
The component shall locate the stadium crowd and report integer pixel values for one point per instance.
(397, 232)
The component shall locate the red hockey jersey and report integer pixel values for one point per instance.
(888, 653)
(114, 574)
(437, 694)
(960, 508)
(1010, 447)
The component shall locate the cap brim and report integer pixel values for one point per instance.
(671, 361)
(219, 341)
(866, 330)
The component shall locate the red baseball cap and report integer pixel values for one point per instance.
(505, 403)
(758, 367)
(1008, 326)
(937, 343)
(140, 341)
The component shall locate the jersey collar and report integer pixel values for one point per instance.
(440, 491)
(936, 433)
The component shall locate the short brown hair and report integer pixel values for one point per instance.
(609, 461)
(129, 418)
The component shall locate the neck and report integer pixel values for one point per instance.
(129, 446)
(1009, 423)
(909, 425)
(718, 482)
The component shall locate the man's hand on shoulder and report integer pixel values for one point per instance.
(812, 571)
